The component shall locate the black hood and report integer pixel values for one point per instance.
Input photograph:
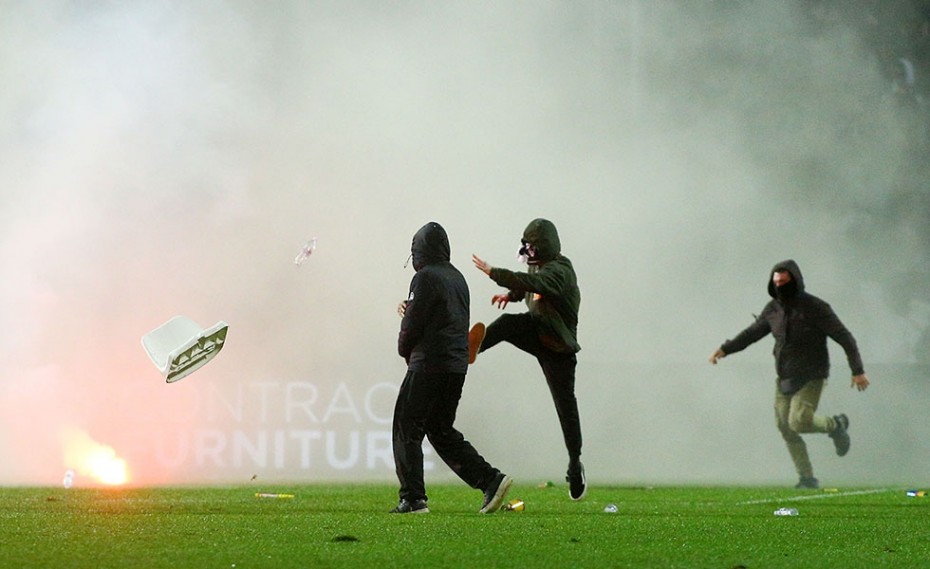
(543, 236)
(430, 245)
(795, 287)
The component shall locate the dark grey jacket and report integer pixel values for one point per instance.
(801, 324)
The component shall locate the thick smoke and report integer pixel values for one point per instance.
(172, 158)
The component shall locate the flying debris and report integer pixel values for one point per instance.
(180, 347)
(307, 250)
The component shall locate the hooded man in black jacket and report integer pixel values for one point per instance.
(548, 331)
(433, 340)
(801, 324)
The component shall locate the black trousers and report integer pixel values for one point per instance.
(426, 405)
(559, 369)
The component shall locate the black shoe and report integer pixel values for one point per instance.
(415, 507)
(839, 435)
(807, 483)
(475, 337)
(495, 492)
(577, 487)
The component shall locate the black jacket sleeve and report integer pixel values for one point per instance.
(416, 315)
(753, 333)
(831, 325)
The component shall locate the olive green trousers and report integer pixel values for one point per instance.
(795, 415)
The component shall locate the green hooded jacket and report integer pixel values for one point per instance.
(549, 287)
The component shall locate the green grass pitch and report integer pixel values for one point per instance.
(335, 526)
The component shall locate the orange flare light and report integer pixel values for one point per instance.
(92, 459)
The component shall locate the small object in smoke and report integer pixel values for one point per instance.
(273, 495)
(307, 250)
(548, 484)
(514, 506)
(611, 509)
(254, 476)
(68, 482)
(786, 512)
(917, 493)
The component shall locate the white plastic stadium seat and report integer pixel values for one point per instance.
(179, 347)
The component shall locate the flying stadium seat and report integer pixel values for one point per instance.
(179, 347)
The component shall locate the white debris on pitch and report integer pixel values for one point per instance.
(179, 347)
(307, 250)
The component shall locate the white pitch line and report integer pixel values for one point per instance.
(817, 496)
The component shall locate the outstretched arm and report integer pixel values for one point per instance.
(482, 265)
(501, 300)
(753, 333)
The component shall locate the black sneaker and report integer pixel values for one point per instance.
(839, 435)
(577, 487)
(415, 507)
(807, 483)
(495, 492)
(475, 337)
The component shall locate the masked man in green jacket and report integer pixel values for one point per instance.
(548, 331)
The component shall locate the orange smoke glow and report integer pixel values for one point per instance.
(94, 460)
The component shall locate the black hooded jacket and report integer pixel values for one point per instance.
(549, 287)
(800, 323)
(434, 331)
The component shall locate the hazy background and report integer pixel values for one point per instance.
(172, 157)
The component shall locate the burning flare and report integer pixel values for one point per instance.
(89, 458)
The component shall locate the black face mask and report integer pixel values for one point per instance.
(787, 290)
